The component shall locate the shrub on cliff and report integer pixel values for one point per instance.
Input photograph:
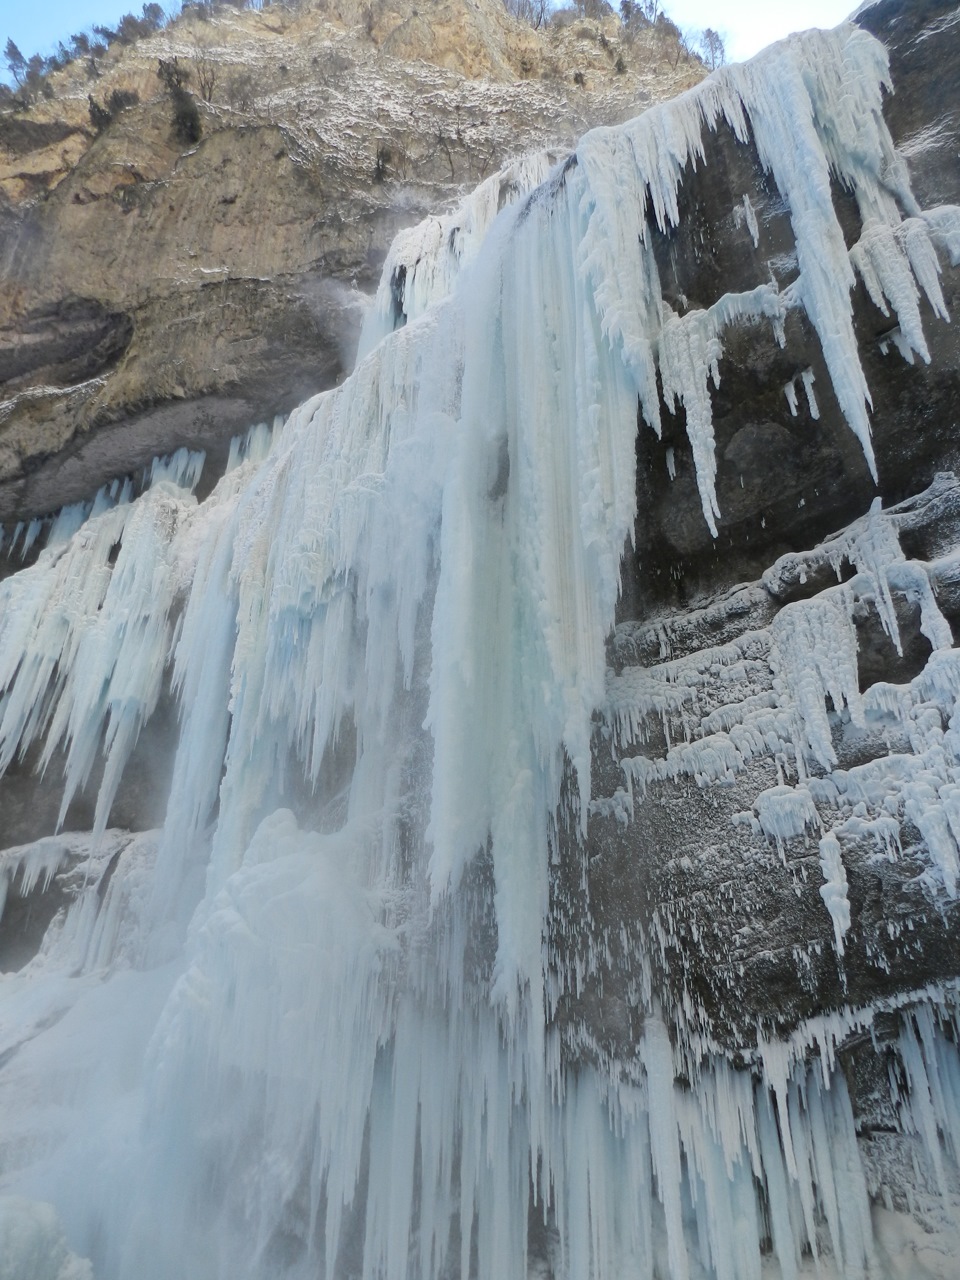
(186, 116)
(103, 115)
(240, 89)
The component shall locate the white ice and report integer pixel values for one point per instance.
(306, 1027)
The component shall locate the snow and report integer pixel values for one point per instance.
(308, 1026)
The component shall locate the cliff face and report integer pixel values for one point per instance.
(685, 861)
(159, 294)
(165, 297)
(621, 872)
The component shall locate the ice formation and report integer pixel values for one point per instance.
(308, 1027)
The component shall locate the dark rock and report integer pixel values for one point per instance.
(738, 937)
(72, 343)
(924, 110)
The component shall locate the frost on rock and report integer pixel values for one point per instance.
(316, 1023)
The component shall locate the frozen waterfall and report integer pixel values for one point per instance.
(309, 1026)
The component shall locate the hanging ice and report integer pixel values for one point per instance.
(311, 1023)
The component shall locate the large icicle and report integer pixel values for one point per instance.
(813, 106)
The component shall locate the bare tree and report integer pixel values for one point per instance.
(640, 15)
(712, 49)
(241, 90)
(532, 12)
(205, 69)
(634, 11)
(687, 42)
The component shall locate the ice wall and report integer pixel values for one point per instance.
(307, 1028)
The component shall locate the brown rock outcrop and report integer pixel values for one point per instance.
(157, 294)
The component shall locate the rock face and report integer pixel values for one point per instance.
(789, 474)
(685, 860)
(159, 294)
(728, 1038)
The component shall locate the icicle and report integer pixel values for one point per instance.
(744, 213)
(814, 656)
(690, 351)
(181, 469)
(833, 891)
(944, 223)
(29, 538)
(785, 812)
(808, 380)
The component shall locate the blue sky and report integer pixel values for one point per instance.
(748, 25)
(36, 25)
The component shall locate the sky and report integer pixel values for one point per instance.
(750, 25)
(746, 25)
(35, 26)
